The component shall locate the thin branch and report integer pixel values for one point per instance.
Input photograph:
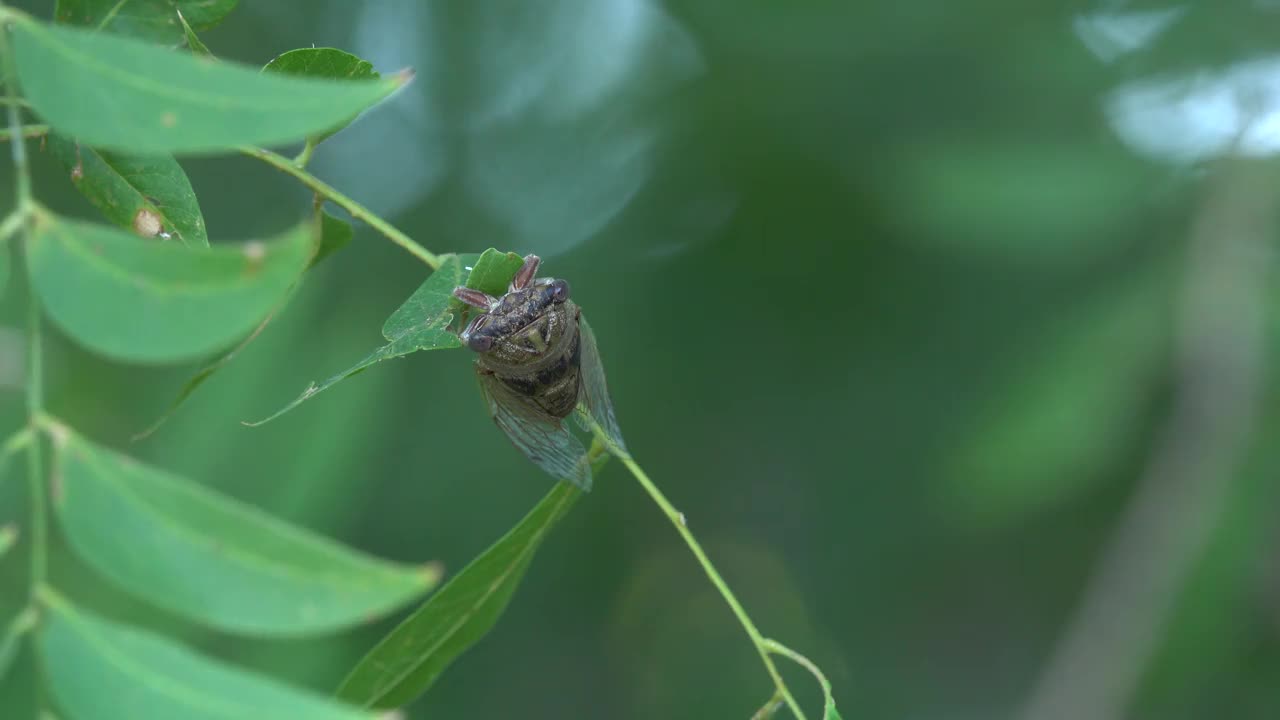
(1162, 533)
(678, 520)
(27, 131)
(357, 210)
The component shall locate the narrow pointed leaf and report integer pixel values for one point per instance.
(408, 660)
(194, 44)
(421, 323)
(101, 670)
(147, 301)
(328, 63)
(159, 21)
(141, 193)
(123, 94)
(212, 559)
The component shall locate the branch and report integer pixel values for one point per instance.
(1095, 670)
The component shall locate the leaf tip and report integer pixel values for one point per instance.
(403, 77)
(430, 573)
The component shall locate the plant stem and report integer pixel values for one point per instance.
(26, 131)
(23, 205)
(357, 210)
(763, 645)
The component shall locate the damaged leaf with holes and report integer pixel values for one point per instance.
(148, 194)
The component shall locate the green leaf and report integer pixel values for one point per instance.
(408, 660)
(4, 267)
(11, 641)
(195, 381)
(493, 271)
(122, 94)
(155, 20)
(137, 192)
(8, 538)
(100, 670)
(421, 323)
(334, 235)
(328, 63)
(212, 559)
(146, 301)
(194, 44)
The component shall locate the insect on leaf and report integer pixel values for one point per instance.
(421, 323)
(102, 670)
(493, 270)
(148, 530)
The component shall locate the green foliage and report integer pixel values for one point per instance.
(335, 234)
(408, 660)
(150, 100)
(119, 101)
(421, 323)
(323, 63)
(136, 192)
(145, 301)
(147, 529)
(99, 670)
(161, 21)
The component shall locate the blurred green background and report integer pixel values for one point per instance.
(896, 301)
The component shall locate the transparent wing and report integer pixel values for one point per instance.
(546, 442)
(594, 390)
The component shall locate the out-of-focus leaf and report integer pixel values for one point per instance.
(421, 323)
(160, 21)
(100, 670)
(1027, 202)
(194, 43)
(323, 63)
(1062, 414)
(195, 381)
(4, 267)
(334, 235)
(212, 559)
(408, 660)
(8, 533)
(144, 301)
(123, 94)
(11, 641)
(136, 192)
(493, 271)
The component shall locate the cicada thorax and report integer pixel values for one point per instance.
(536, 353)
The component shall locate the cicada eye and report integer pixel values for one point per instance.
(559, 291)
(479, 343)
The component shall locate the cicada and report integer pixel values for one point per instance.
(537, 364)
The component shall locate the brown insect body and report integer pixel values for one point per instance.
(537, 362)
(536, 348)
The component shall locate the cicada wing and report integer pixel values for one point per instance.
(542, 439)
(594, 390)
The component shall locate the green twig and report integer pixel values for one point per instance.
(26, 131)
(34, 376)
(678, 520)
(357, 210)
